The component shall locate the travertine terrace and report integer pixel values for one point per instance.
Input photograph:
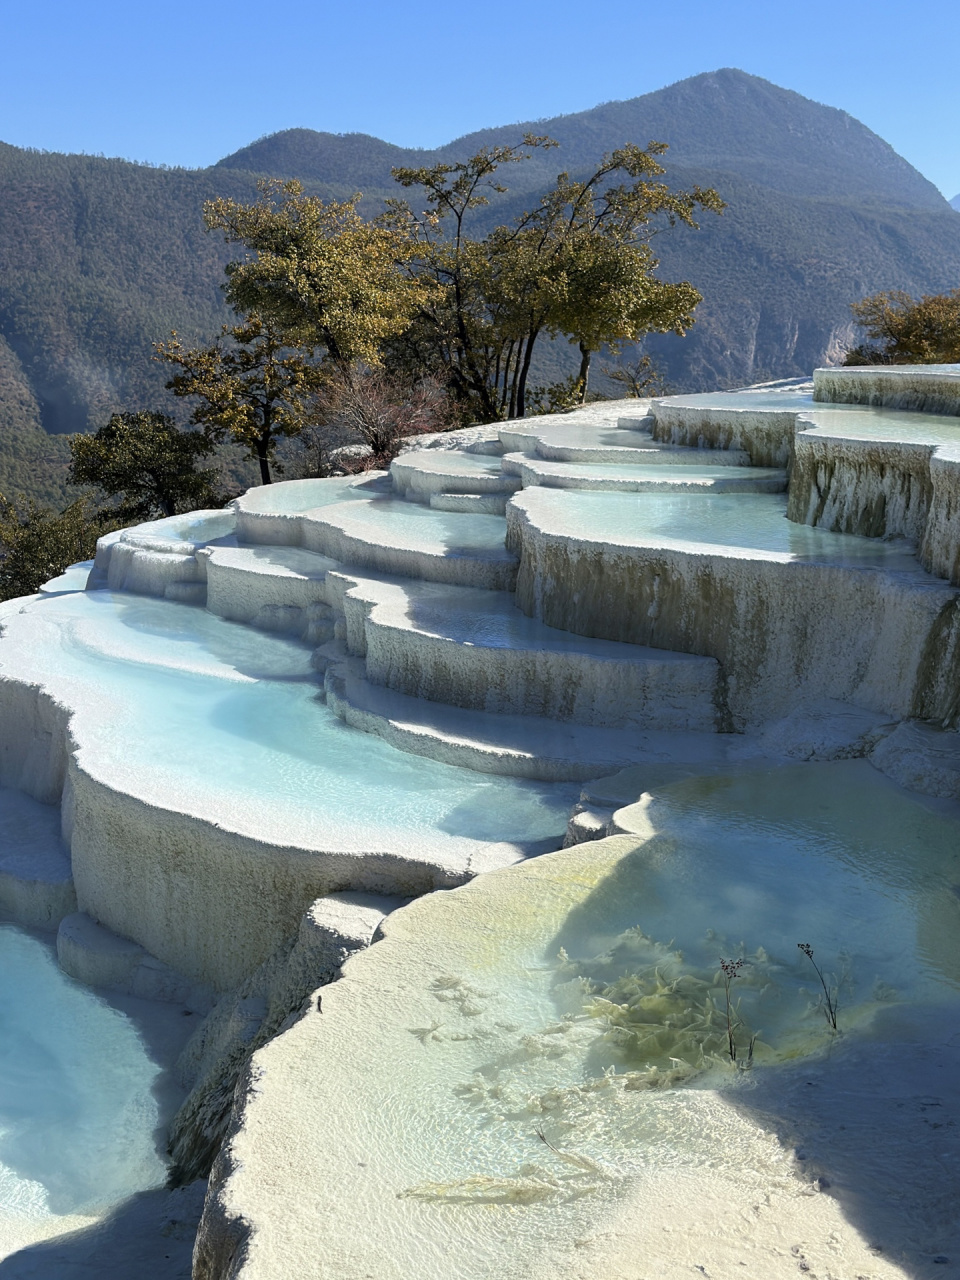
(268, 728)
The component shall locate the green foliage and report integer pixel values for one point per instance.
(577, 265)
(37, 544)
(148, 464)
(253, 389)
(902, 330)
(322, 275)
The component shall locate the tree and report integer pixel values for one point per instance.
(37, 544)
(253, 388)
(578, 264)
(321, 275)
(148, 463)
(370, 406)
(902, 330)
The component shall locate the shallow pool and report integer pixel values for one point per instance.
(184, 708)
(750, 521)
(551, 1041)
(78, 1112)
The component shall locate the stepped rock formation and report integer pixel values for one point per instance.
(505, 622)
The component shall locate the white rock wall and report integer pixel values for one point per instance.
(783, 631)
(765, 436)
(921, 388)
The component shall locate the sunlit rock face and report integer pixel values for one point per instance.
(790, 612)
(498, 1085)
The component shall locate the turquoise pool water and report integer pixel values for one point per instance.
(751, 521)
(228, 721)
(77, 1108)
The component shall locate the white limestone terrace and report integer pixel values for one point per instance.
(641, 478)
(495, 1089)
(790, 612)
(423, 473)
(390, 535)
(472, 648)
(882, 472)
(521, 746)
(872, 451)
(587, 443)
(759, 421)
(917, 387)
(207, 794)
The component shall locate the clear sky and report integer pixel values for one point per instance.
(189, 83)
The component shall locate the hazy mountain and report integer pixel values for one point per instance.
(955, 202)
(722, 120)
(99, 258)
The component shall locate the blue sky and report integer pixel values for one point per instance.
(187, 84)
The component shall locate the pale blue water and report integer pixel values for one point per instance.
(789, 401)
(829, 854)
(866, 423)
(295, 496)
(752, 521)
(394, 522)
(229, 720)
(77, 1111)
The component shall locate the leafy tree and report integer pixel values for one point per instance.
(146, 462)
(902, 330)
(321, 275)
(37, 544)
(578, 264)
(253, 388)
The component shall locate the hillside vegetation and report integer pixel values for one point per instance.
(100, 258)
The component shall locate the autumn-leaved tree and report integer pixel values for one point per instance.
(316, 271)
(251, 386)
(902, 330)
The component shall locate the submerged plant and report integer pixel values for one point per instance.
(830, 997)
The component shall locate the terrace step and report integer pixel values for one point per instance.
(419, 474)
(272, 587)
(631, 478)
(484, 504)
(392, 536)
(474, 649)
(606, 444)
(516, 746)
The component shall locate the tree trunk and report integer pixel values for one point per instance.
(264, 460)
(522, 383)
(584, 375)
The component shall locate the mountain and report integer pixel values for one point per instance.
(100, 258)
(723, 120)
(955, 203)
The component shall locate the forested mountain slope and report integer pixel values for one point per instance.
(99, 258)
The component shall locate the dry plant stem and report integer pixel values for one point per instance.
(731, 970)
(830, 1011)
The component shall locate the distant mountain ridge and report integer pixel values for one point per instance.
(955, 202)
(722, 120)
(100, 258)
